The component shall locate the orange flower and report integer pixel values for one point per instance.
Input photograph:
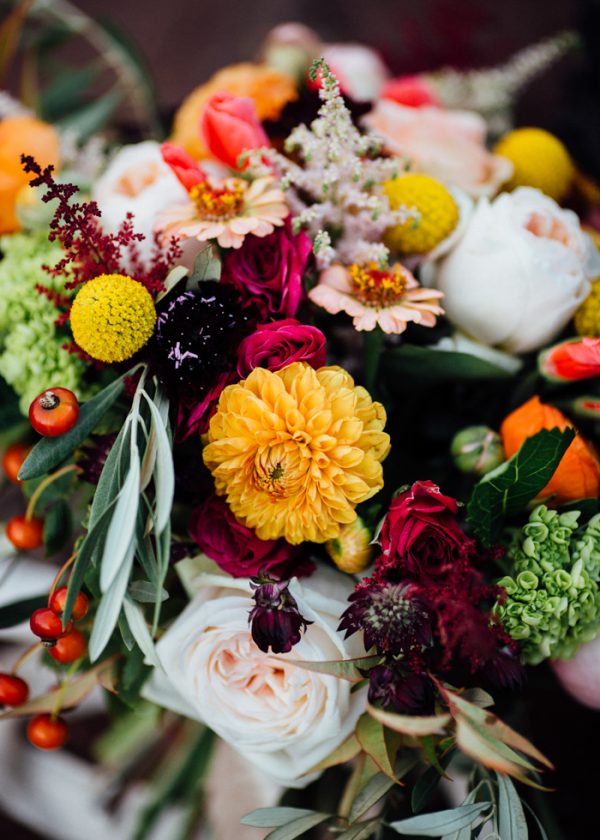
(270, 89)
(21, 135)
(578, 474)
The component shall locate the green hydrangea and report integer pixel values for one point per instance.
(31, 352)
(553, 602)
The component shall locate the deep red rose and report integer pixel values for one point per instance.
(236, 548)
(421, 537)
(275, 345)
(271, 269)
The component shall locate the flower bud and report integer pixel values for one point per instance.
(352, 550)
(477, 450)
(275, 621)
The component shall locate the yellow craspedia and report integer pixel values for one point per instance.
(587, 317)
(295, 450)
(112, 317)
(351, 551)
(539, 159)
(437, 211)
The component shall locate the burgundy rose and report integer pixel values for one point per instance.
(421, 537)
(275, 345)
(235, 548)
(271, 268)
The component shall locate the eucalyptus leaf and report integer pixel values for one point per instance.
(49, 452)
(441, 822)
(274, 817)
(110, 607)
(164, 483)
(108, 485)
(139, 628)
(144, 592)
(512, 824)
(120, 535)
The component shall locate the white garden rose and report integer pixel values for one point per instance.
(282, 718)
(519, 272)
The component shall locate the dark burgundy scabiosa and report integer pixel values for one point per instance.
(275, 621)
(393, 618)
(93, 455)
(401, 691)
(276, 345)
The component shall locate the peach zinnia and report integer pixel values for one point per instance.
(388, 298)
(294, 451)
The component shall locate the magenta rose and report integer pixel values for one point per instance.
(275, 345)
(271, 269)
(420, 536)
(237, 549)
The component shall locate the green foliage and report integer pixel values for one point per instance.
(425, 364)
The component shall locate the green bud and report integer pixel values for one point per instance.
(477, 450)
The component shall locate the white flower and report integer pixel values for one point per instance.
(279, 716)
(137, 181)
(519, 272)
(360, 70)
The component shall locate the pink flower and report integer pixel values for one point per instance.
(570, 360)
(183, 165)
(450, 145)
(271, 270)
(276, 345)
(412, 91)
(229, 126)
(236, 548)
(372, 297)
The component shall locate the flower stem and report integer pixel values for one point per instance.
(60, 573)
(25, 655)
(372, 347)
(42, 486)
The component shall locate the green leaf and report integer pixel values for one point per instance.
(428, 782)
(441, 822)
(164, 473)
(373, 791)
(423, 363)
(110, 607)
(371, 736)
(275, 817)
(206, 267)
(58, 525)
(120, 535)
(144, 592)
(360, 831)
(507, 489)
(139, 628)
(19, 611)
(50, 452)
(174, 277)
(343, 669)
(347, 750)
(512, 824)
(297, 827)
(417, 726)
(66, 91)
(92, 117)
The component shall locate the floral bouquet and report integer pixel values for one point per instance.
(312, 391)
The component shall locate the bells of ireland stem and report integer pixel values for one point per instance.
(477, 450)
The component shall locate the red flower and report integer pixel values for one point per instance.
(184, 166)
(570, 360)
(271, 269)
(412, 91)
(421, 537)
(230, 126)
(276, 345)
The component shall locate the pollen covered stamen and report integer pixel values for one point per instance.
(373, 286)
(219, 203)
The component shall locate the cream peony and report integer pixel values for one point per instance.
(519, 272)
(282, 718)
(450, 145)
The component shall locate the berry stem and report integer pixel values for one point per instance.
(62, 688)
(66, 565)
(35, 496)
(37, 646)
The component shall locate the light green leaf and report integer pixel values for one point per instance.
(139, 629)
(343, 669)
(360, 831)
(174, 277)
(441, 822)
(348, 750)
(512, 824)
(371, 736)
(164, 482)
(297, 827)
(373, 791)
(144, 592)
(110, 607)
(206, 267)
(417, 726)
(276, 816)
(120, 535)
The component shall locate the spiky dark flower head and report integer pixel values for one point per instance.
(404, 692)
(93, 455)
(275, 621)
(197, 335)
(394, 619)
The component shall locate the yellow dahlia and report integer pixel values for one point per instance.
(587, 317)
(294, 451)
(352, 550)
(437, 213)
(539, 160)
(112, 317)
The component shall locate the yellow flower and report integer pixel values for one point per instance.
(351, 551)
(112, 317)
(539, 159)
(296, 450)
(587, 317)
(437, 213)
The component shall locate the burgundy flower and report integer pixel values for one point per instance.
(275, 621)
(270, 269)
(404, 692)
(93, 455)
(420, 537)
(275, 345)
(236, 548)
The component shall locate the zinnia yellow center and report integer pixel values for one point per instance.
(219, 203)
(296, 450)
(374, 287)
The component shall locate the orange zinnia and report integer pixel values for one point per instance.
(578, 474)
(21, 135)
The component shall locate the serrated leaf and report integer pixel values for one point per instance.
(120, 534)
(425, 364)
(297, 827)
(110, 607)
(441, 822)
(410, 725)
(507, 489)
(164, 482)
(344, 669)
(139, 629)
(370, 734)
(275, 817)
(512, 824)
(50, 452)
(19, 611)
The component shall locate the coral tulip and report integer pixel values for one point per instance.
(229, 126)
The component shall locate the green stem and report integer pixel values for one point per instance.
(372, 347)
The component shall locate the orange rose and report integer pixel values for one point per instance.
(21, 135)
(270, 89)
(578, 474)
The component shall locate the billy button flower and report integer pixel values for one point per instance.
(112, 317)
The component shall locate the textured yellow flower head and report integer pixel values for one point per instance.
(587, 317)
(437, 211)
(112, 317)
(539, 159)
(294, 451)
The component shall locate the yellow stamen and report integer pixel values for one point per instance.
(375, 287)
(218, 203)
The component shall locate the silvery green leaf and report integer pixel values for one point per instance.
(274, 817)
(144, 592)
(512, 824)
(441, 823)
(139, 628)
(164, 480)
(373, 791)
(107, 487)
(298, 827)
(206, 267)
(121, 530)
(110, 607)
(360, 831)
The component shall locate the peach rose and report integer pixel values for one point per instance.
(450, 145)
